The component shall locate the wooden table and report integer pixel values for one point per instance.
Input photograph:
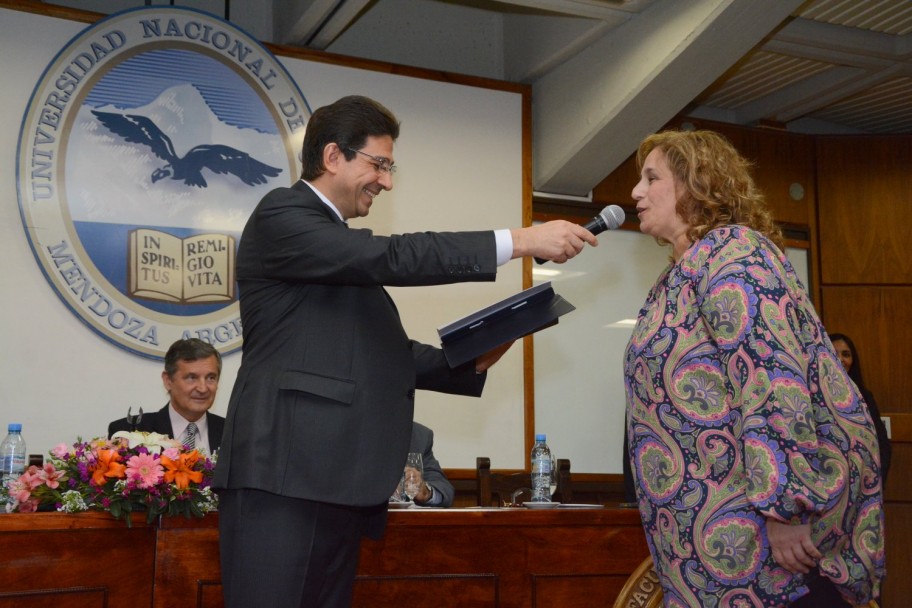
(561, 558)
(480, 558)
(58, 560)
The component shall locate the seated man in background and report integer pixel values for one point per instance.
(191, 376)
(436, 490)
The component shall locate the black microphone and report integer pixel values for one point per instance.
(608, 218)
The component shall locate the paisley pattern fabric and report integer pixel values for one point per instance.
(739, 410)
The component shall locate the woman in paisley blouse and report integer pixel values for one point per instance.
(754, 456)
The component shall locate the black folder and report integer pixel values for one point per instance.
(519, 315)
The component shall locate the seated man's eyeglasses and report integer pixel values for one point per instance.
(382, 165)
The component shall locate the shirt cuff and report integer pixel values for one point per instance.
(504, 241)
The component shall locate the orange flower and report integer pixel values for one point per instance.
(181, 471)
(107, 464)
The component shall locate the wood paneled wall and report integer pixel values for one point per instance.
(783, 166)
(864, 216)
(866, 210)
(878, 318)
(848, 199)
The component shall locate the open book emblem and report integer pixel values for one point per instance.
(167, 268)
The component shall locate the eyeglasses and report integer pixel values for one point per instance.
(382, 165)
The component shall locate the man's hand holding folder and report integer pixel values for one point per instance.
(485, 361)
(485, 335)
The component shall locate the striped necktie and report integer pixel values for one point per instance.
(190, 436)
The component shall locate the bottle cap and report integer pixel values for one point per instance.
(14, 427)
(540, 437)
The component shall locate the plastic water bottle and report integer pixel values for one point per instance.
(12, 454)
(541, 470)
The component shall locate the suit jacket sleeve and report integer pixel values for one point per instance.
(433, 373)
(423, 441)
(298, 239)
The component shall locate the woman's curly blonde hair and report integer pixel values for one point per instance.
(717, 185)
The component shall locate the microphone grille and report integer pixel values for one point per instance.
(613, 216)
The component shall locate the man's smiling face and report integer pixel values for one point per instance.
(361, 178)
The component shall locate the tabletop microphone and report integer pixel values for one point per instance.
(608, 218)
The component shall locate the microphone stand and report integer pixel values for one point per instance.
(133, 421)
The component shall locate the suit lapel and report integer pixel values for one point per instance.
(161, 424)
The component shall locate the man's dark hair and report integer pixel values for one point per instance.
(347, 122)
(191, 349)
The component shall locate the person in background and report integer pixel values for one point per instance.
(848, 355)
(754, 456)
(436, 490)
(191, 377)
(320, 418)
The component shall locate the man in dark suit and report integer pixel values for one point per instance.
(191, 375)
(436, 490)
(319, 420)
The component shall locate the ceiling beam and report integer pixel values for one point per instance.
(536, 44)
(802, 97)
(298, 21)
(590, 113)
(829, 38)
(344, 15)
(605, 10)
(826, 89)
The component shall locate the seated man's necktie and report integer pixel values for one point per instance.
(189, 440)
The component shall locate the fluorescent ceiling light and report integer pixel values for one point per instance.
(545, 272)
(623, 324)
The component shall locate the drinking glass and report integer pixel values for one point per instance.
(414, 473)
(398, 495)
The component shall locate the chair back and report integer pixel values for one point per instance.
(642, 589)
(495, 489)
(564, 492)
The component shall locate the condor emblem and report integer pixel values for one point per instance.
(146, 145)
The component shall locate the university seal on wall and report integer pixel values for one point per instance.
(146, 144)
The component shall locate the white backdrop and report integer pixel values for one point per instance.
(460, 158)
(579, 382)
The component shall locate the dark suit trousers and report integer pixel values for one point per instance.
(279, 552)
(822, 593)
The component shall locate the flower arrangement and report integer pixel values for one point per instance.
(130, 472)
